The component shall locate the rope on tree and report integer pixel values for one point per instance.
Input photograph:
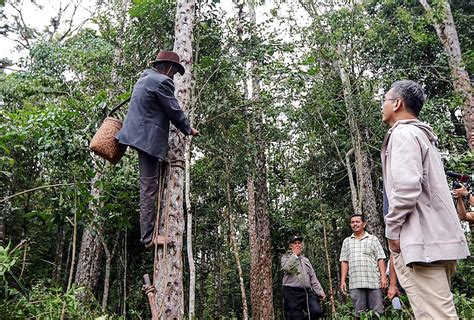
(150, 289)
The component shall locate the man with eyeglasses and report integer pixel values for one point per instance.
(424, 234)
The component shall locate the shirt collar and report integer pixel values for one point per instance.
(366, 234)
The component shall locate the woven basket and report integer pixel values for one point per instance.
(104, 143)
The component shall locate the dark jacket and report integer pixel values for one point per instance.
(152, 107)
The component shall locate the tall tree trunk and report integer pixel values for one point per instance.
(88, 267)
(362, 195)
(354, 195)
(260, 242)
(365, 189)
(118, 49)
(189, 212)
(234, 244)
(73, 258)
(168, 273)
(447, 34)
(261, 290)
(108, 262)
(124, 262)
(189, 233)
(58, 258)
(202, 285)
(91, 251)
(90, 254)
(219, 278)
(261, 295)
(336, 234)
(328, 270)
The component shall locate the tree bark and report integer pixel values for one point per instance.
(234, 244)
(447, 34)
(124, 262)
(260, 243)
(73, 259)
(202, 284)
(168, 272)
(88, 267)
(189, 234)
(58, 258)
(116, 79)
(328, 270)
(335, 250)
(189, 213)
(90, 254)
(219, 278)
(261, 290)
(108, 261)
(354, 194)
(118, 49)
(366, 203)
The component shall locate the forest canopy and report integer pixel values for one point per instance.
(287, 99)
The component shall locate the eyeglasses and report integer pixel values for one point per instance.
(382, 100)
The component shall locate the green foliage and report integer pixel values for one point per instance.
(151, 29)
(53, 106)
(43, 302)
(7, 260)
(464, 304)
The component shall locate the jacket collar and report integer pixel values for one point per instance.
(389, 132)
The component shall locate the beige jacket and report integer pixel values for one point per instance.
(421, 212)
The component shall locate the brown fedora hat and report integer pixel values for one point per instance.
(170, 57)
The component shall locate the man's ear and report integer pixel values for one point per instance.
(398, 105)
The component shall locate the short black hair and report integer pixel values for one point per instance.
(412, 94)
(357, 215)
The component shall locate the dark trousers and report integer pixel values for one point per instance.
(301, 303)
(149, 170)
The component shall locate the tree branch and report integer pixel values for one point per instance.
(38, 188)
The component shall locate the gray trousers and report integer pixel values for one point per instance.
(149, 170)
(363, 299)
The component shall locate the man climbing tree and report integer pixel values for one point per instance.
(146, 129)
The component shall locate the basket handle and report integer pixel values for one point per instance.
(119, 106)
